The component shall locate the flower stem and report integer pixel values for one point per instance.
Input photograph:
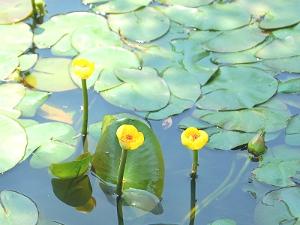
(120, 211)
(85, 110)
(193, 201)
(121, 172)
(34, 12)
(195, 164)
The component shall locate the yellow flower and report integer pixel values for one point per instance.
(193, 138)
(129, 137)
(82, 68)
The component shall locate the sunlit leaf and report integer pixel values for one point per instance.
(13, 11)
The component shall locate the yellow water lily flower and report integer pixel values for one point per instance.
(194, 139)
(83, 68)
(129, 137)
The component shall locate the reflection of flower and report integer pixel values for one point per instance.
(193, 138)
(83, 68)
(129, 137)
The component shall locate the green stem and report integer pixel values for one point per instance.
(195, 164)
(120, 211)
(85, 110)
(121, 172)
(193, 201)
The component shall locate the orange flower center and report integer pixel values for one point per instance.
(129, 137)
(195, 136)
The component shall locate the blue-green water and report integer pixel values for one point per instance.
(214, 167)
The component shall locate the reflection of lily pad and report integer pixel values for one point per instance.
(16, 208)
(13, 143)
(221, 92)
(142, 25)
(144, 168)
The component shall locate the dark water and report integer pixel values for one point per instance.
(214, 167)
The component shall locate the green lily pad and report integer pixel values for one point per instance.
(289, 86)
(12, 41)
(9, 62)
(73, 169)
(27, 61)
(141, 90)
(14, 11)
(52, 142)
(74, 192)
(13, 144)
(187, 3)
(11, 95)
(94, 36)
(16, 208)
(51, 74)
(52, 31)
(143, 25)
(144, 168)
(271, 116)
(107, 59)
(221, 92)
(292, 133)
(290, 64)
(236, 40)
(278, 167)
(223, 222)
(121, 6)
(94, 130)
(31, 102)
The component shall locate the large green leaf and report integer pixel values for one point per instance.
(141, 90)
(9, 62)
(279, 166)
(51, 74)
(144, 168)
(142, 25)
(13, 11)
(292, 133)
(237, 88)
(16, 208)
(271, 116)
(289, 86)
(290, 64)
(187, 3)
(13, 143)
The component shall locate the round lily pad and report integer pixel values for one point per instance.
(292, 133)
(237, 88)
(9, 62)
(121, 6)
(13, 143)
(13, 11)
(51, 74)
(141, 90)
(16, 208)
(142, 25)
(290, 64)
(187, 3)
(236, 40)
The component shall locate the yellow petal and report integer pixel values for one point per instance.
(129, 137)
(193, 138)
(82, 68)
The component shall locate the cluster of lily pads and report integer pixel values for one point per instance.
(158, 59)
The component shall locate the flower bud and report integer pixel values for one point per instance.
(256, 145)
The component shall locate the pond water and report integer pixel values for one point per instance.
(238, 201)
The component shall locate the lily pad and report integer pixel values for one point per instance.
(290, 86)
(187, 3)
(16, 208)
(51, 74)
(236, 40)
(13, 144)
(290, 64)
(141, 90)
(271, 116)
(144, 168)
(278, 167)
(292, 133)
(221, 92)
(143, 25)
(12, 42)
(9, 62)
(121, 6)
(72, 169)
(27, 61)
(11, 95)
(52, 142)
(223, 222)
(14, 11)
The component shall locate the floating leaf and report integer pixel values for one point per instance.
(95, 130)
(236, 40)
(13, 143)
(271, 116)
(187, 3)
(221, 92)
(9, 62)
(223, 222)
(51, 74)
(11, 95)
(75, 192)
(290, 64)
(279, 166)
(27, 61)
(292, 133)
(141, 90)
(144, 169)
(73, 169)
(143, 25)
(290, 86)
(14, 11)
(121, 6)
(16, 208)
